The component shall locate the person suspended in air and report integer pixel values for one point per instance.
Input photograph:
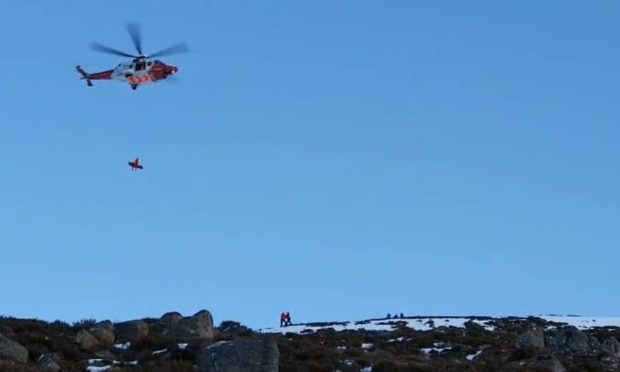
(135, 165)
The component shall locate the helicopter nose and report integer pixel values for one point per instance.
(173, 69)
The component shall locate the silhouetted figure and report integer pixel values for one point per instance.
(401, 315)
(287, 319)
(135, 165)
(389, 316)
(282, 319)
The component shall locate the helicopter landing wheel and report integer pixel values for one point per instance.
(134, 86)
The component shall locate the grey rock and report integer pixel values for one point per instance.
(133, 330)
(169, 324)
(87, 341)
(553, 364)
(197, 327)
(105, 354)
(567, 338)
(104, 331)
(171, 318)
(612, 362)
(49, 362)
(533, 337)
(239, 356)
(548, 364)
(201, 324)
(595, 346)
(11, 350)
(611, 346)
(608, 352)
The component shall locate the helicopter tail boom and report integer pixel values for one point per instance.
(85, 75)
(104, 75)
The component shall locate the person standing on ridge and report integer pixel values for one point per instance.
(282, 319)
(287, 320)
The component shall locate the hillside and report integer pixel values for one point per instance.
(189, 343)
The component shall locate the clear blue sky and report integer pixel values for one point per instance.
(337, 159)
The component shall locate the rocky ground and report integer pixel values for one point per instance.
(192, 343)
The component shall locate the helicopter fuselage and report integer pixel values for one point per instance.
(142, 71)
(137, 72)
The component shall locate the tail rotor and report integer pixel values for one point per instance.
(85, 75)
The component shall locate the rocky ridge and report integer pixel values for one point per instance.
(180, 343)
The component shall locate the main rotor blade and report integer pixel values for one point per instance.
(174, 49)
(104, 49)
(134, 32)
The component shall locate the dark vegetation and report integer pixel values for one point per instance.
(514, 345)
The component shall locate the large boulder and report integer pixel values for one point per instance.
(49, 362)
(200, 325)
(611, 362)
(595, 346)
(547, 364)
(239, 356)
(104, 331)
(567, 338)
(197, 327)
(133, 330)
(611, 346)
(532, 337)
(171, 319)
(87, 341)
(169, 324)
(11, 350)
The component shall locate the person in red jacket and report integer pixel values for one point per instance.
(282, 319)
(287, 319)
(135, 165)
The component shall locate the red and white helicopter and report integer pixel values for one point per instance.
(142, 69)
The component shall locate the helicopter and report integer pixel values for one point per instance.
(142, 69)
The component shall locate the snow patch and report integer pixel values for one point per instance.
(124, 346)
(159, 351)
(584, 322)
(437, 348)
(485, 324)
(433, 323)
(104, 365)
(471, 357)
(218, 344)
(380, 325)
(97, 369)
(182, 346)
